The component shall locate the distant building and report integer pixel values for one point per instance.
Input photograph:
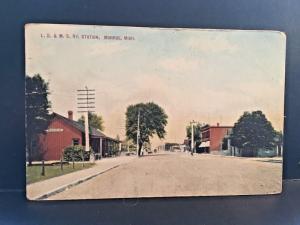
(63, 132)
(186, 145)
(212, 138)
(170, 146)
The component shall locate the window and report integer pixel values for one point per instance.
(75, 141)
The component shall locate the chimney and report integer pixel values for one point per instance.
(70, 115)
(218, 124)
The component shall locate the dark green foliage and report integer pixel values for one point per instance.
(115, 151)
(279, 142)
(36, 114)
(252, 132)
(197, 134)
(95, 121)
(225, 143)
(197, 131)
(75, 153)
(153, 120)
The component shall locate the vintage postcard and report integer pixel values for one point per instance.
(133, 112)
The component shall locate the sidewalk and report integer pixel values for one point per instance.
(43, 189)
(263, 159)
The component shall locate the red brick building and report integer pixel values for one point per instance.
(63, 132)
(212, 137)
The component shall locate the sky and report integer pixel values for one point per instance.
(210, 76)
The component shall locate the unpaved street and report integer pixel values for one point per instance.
(180, 174)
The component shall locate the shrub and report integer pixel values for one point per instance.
(266, 153)
(248, 153)
(76, 152)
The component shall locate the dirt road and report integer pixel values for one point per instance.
(180, 174)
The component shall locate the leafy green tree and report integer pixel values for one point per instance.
(197, 131)
(252, 132)
(225, 143)
(36, 114)
(95, 121)
(153, 120)
(279, 141)
(197, 134)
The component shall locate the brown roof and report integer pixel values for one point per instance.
(79, 126)
(207, 126)
(221, 126)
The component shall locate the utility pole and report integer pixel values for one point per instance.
(86, 102)
(138, 133)
(192, 137)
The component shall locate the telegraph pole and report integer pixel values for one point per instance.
(86, 105)
(192, 137)
(138, 133)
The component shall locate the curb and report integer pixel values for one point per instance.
(68, 186)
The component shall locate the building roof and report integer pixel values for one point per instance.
(221, 126)
(207, 126)
(79, 126)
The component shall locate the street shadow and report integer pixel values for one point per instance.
(271, 161)
(152, 155)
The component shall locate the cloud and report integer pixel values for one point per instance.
(207, 76)
(211, 45)
(106, 48)
(180, 65)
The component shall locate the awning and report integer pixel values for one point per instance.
(205, 144)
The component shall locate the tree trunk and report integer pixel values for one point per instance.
(279, 150)
(140, 149)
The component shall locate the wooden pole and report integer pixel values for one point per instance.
(43, 168)
(61, 164)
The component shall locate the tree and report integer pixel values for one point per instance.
(197, 131)
(36, 113)
(252, 132)
(153, 120)
(197, 134)
(95, 121)
(279, 141)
